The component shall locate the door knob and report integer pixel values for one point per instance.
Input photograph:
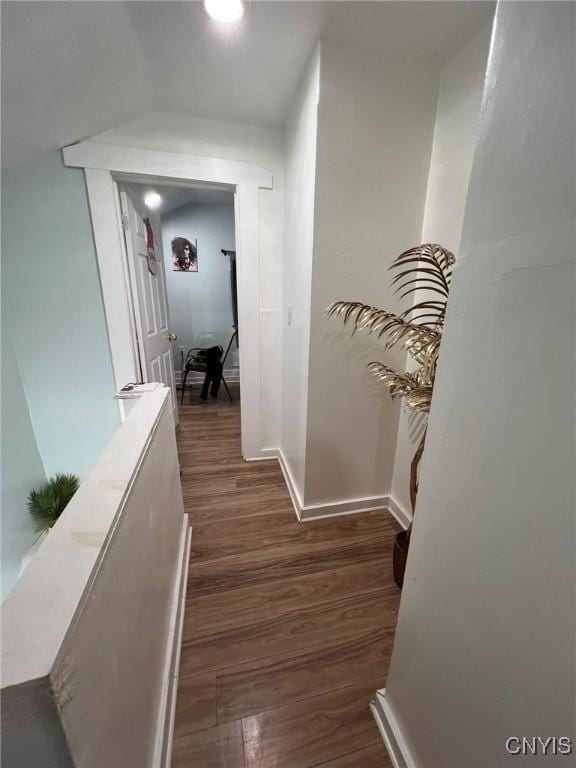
(172, 337)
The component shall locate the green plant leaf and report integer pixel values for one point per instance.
(47, 503)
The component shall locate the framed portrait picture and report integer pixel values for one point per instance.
(184, 255)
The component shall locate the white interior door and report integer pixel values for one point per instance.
(150, 301)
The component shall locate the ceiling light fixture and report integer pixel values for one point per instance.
(226, 11)
(152, 200)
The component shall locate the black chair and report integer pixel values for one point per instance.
(210, 361)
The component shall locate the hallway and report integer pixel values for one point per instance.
(289, 626)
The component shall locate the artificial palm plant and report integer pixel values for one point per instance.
(427, 270)
(47, 503)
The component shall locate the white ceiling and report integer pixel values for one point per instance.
(74, 69)
(176, 196)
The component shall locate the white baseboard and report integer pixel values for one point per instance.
(391, 732)
(265, 454)
(346, 507)
(402, 515)
(167, 709)
(305, 512)
(290, 484)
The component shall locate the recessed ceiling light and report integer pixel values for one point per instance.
(152, 200)
(225, 11)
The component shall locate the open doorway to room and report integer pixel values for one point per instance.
(181, 259)
(106, 168)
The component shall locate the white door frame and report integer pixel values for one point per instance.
(100, 162)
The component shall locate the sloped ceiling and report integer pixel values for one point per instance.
(71, 70)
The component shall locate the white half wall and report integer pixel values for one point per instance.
(455, 131)
(90, 629)
(298, 251)
(374, 142)
(485, 642)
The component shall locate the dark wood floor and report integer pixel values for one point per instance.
(288, 627)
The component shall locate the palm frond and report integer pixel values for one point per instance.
(47, 503)
(398, 384)
(428, 267)
(356, 311)
(418, 329)
(419, 400)
(406, 385)
(432, 252)
(419, 276)
(430, 313)
(427, 372)
(414, 337)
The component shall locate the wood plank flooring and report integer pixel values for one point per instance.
(289, 626)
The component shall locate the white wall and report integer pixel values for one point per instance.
(486, 633)
(133, 625)
(457, 112)
(298, 247)
(374, 142)
(248, 143)
(200, 303)
(88, 630)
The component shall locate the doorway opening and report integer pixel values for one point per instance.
(105, 165)
(180, 242)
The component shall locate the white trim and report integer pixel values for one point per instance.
(307, 512)
(167, 709)
(266, 454)
(345, 507)
(172, 165)
(109, 243)
(100, 162)
(290, 484)
(391, 732)
(402, 515)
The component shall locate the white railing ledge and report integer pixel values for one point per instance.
(42, 605)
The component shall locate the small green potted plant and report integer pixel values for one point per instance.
(426, 269)
(47, 503)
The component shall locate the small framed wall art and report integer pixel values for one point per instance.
(184, 255)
